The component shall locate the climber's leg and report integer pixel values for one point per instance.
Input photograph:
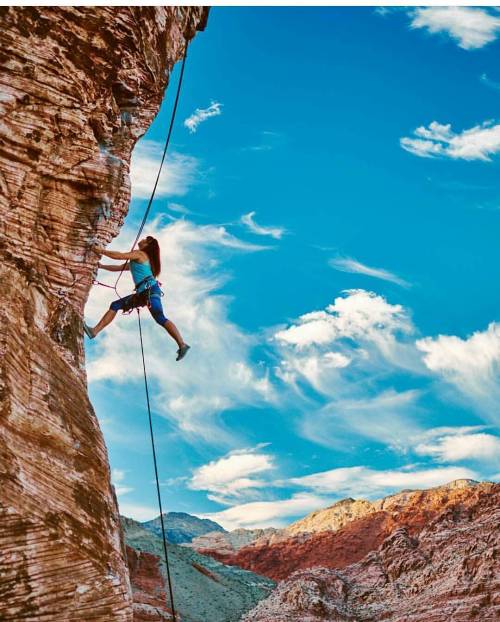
(106, 319)
(156, 309)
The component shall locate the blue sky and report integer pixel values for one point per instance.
(329, 221)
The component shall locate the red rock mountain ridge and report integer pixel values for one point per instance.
(443, 568)
(349, 544)
(78, 86)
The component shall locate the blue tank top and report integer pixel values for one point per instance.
(140, 272)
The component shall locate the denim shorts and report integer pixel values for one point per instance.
(155, 307)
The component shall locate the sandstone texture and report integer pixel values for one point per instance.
(446, 571)
(343, 546)
(78, 86)
(204, 589)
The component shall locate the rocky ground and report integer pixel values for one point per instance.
(339, 547)
(442, 566)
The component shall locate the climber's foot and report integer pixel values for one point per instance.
(182, 351)
(88, 331)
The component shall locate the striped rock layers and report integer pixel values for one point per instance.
(78, 86)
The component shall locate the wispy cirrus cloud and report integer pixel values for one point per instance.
(200, 115)
(349, 264)
(179, 174)
(471, 27)
(489, 82)
(249, 221)
(480, 142)
(117, 479)
(366, 482)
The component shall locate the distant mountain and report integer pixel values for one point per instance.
(204, 589)
(182, 527)
(219, 545)
(345, 532)
(441, 566)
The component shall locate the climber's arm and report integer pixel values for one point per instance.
(137, 255)
(113, 268)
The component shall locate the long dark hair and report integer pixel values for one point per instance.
(152, 250)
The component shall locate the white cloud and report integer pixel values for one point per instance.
(138, 512)
(361, 481)
(471, 365)
(117, 478)
(232, 476)
(348, 264)
(359, 314)
(460, 446)
(179, 208)
(470, 27)
(390, 418)
(202, 114)
(480, 142)
(262, 514)
(274, 232)
(489, 82)
(179, 173)
(343, 353)
(218, 373)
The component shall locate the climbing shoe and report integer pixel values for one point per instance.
(182, 351)
(88, 331)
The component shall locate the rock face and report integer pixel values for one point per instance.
(339, 548)
(222, 545)
(448, 572)
(181, 527)
(78, 86)
(204, 589)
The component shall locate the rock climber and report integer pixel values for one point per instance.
(145, 266)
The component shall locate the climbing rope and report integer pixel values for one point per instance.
(141, 227)
(167, 142)
(156, 470)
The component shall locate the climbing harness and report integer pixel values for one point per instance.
(142, 299)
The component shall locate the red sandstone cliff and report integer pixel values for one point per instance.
(338, 549)
(447, 571)
(78, 86)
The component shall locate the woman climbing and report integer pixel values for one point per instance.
(144, 264)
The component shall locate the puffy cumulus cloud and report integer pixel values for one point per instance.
(233, 476)
(202, 114)
(361, 481)
(460, 444)
(262, 514)
(359, 314)
(471, 365)
(348, 264)
(219, 374)
(179, 173)
(347, 355)
(249, 221)
(470, 27)
(359, 333)
(480, 142)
